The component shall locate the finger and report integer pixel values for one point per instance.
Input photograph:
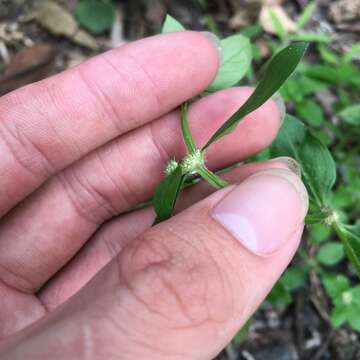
(116, 234)
(106, 183)
(183, 288)
(48, 125)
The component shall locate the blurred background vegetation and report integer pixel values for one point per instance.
(313, 312)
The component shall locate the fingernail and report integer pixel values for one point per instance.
(264, 210)
(290, 163)
(216, 42)
(280, 105)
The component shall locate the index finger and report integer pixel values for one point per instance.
(46, 126)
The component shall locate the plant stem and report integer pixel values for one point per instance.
(188, 139)
(210, 177)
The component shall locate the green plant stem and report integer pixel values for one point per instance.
(342, 235)
(188, 139)
(339, 231)
(210, 177)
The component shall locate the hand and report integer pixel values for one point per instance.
(81, 149)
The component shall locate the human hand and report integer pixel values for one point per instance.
(90, 144)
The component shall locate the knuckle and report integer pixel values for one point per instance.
(27, 153)
(90, 199)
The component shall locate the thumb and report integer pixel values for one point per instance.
(186, 286)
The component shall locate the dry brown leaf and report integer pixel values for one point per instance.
(60, 22)
(83, 38)
(27, 66)
(265, 19)
(56, 19)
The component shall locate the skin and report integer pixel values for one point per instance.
(81, 277)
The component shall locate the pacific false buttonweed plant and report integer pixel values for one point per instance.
(295, 140)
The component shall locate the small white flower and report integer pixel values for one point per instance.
(347, 297)
(171, 166)
(332, 218)
(192, 162)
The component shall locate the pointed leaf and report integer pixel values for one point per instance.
(166, 194)
(317, 165)
(171, 25)
(331, 253)
(306, 14)
(278, 70)
(339, 316)
(95, 15)
(350, 237)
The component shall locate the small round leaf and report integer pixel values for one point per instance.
(331, 253)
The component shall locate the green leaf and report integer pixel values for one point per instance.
(352, 53)
(350, 237)
(330, 253)
(327, 55)
(351, 114)
(280, 67)
(171, 25)
(293, 278)
(312, 37)
(298, 86)
(343, 73)
(339, 316)
(251, 31)
(95, 15)
(355, 295)
(237, 55)
(278, 26)
(241, 334)
(315, 216)
(345, 196)
(323, 72)
(306, 14)
(354, 316)
(311, 111)
(319, 233)
(335, 285)
(279, 295)
(326, 138)
(166, 194)
(317, 165)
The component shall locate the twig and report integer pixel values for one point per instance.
(299, 322)
(319, 299)
(325, 345)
